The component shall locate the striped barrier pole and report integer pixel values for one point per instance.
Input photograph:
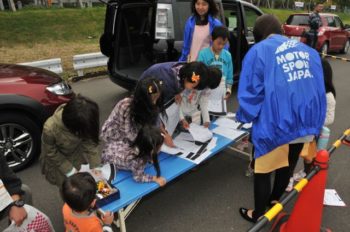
(335, 57)
(278, 207)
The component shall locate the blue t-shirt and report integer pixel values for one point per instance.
(223, 62)
(281, 90)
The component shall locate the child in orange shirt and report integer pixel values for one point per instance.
(78, 192)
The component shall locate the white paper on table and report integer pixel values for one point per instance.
(247, 125)
(212, 144)
(228, 132)
(200, 133)
(226, 122)
(185, 146)
(171, 150)
(216, 101)
(185, 136)
(202, 157)
(173, 118)
(332, 198)
(197, 159)
(104, 171)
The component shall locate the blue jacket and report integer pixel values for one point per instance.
(281, 90)
(188, 33)
(165, 72)
(224, 62)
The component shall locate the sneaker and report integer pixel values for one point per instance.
(249, 172)
(290, 185)
(299, 175)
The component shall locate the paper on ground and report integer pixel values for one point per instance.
(228, 132)
(173, 118)
(200, 133)
(332, 198)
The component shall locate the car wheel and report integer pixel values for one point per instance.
(345, 50)
(19, 139)
(324, 48)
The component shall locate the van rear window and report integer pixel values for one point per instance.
(298, 20)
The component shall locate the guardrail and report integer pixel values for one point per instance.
(53, 65)
(89, 60)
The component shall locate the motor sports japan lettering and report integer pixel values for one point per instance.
(295, 64)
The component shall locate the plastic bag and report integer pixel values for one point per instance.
(36, 221)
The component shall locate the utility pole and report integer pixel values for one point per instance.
(11, 5)
(2, 5)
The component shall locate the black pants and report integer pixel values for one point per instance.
(311, 39)
(262, 182)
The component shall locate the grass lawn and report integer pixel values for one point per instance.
(35, 34)
(283, 14)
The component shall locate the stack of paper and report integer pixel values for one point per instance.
(227, 132)
(172, 119)
(226, 122)
(200, 133)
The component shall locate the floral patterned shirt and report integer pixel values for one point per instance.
(118, 133)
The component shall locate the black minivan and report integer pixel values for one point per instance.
(139, 33)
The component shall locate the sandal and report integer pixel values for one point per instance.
(244, 214)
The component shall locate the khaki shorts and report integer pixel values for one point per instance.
(275, 159)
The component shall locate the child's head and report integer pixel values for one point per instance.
(81, 117)
(202, 8)
(194, 75)
(147, 101)
(328, 76)
(215, 76)
(266, 25)
(79, 191)
(148, 141)
(219, 36)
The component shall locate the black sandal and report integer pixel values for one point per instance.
(244, 214)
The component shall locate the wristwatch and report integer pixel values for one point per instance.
(18, 203)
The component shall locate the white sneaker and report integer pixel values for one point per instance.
(299, 175)
(290, 185)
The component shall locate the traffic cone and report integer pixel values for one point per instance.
(307, 212)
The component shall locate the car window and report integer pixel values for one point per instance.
(338, 22)
(251, 16)
(298, 20)
(331, 22)
(231, 20)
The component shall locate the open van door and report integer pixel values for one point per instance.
(240, 18)
(132, 36)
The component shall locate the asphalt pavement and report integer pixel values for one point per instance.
(208, 198)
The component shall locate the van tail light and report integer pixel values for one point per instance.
(164, 22)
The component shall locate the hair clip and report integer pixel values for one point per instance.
(150, 89)
(195, 78)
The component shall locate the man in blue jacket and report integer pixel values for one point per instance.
(281, 91)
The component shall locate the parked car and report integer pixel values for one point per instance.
(28, 96)
(140, 33)
(333, 36)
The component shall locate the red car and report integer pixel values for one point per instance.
(28, 96)
(333, 36)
